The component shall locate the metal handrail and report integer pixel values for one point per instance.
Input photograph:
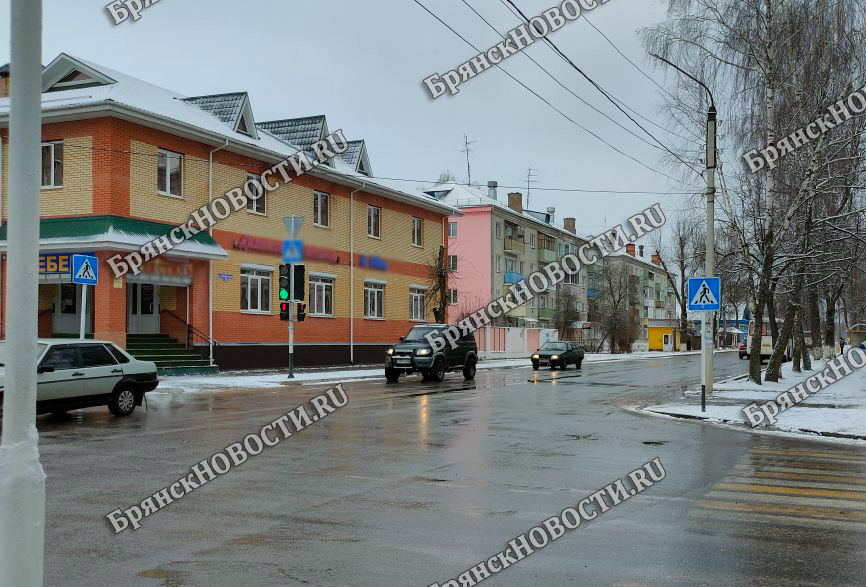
(192, 333)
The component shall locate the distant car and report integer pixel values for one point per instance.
(74, 374)
(558, 354)
(742, 348)
(414, 354)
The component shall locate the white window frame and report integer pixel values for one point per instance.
(452, 229)
(532, 240)
(452, 262)
(374, 300)
(378, 224)
(52, 184)
(417, 232)
(257, 275)
(418, 304)
(318, 197)
(319, 286)
(168, 155)
(499, 263)
(498, 230)
(452, 297)
(253, 205)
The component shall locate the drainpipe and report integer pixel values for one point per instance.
(352, 273)
(210, 261)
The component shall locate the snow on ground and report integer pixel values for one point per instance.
(256, 380)
(838, 410)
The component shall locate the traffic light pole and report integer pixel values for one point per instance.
(292, 321)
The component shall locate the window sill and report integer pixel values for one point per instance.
(168, 195)
(330, 316)
(51, 187)
(325, 226)
(378, 238)
(256, 313)
(373, 318)
(417, 246)
(418, 321)
(253, 212)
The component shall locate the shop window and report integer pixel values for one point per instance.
(374, 300)
(417, 304)
(169, 175)
(52, 165)
(255, 290)
(321, 296)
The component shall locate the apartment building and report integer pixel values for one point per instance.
(655, 304)
(496, 243)
(125, 161)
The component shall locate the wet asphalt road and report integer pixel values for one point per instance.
(415, 483)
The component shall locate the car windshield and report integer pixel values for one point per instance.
(3, 347)
(417, 333)
(554, 346)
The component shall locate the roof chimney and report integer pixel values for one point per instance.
(491, 189)
(551, 214)
(515, 202)
(657, 259)
(569, 225)
(640, 251)
(629, 248)
(4, 81)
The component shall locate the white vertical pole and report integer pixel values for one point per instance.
(81, 330)
(22, 480)
(708, 341)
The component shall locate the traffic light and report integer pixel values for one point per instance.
(285, 311)
(298, 292)
(285, 294)
(302, 312)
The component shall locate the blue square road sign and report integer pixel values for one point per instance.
(293, 251)
(85, 269)
(705, 293)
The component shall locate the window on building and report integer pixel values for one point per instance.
(543, 301)
(321, 296)
(497, 294)
(169, 176)
(452, 229)
(570, 278)
(321, 209)
(417, 232)
(374, 300)
(498, 230)
(256, 205)
(452, 262)
(509, 264)
(374, 216)
(255, 290)
(499, 263)
(417, 304)
(532, 303)
(532, 240)
(52, 164)
(521, 268)
(452, 297)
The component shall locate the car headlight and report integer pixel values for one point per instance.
(535, 356)
(389, 352)
(423, 352)
(554, 357)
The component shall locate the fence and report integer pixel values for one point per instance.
(511, 343)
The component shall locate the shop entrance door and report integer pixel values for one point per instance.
(67, 310)
(142, 305)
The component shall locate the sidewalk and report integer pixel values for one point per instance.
(259, 379)
(838, 411)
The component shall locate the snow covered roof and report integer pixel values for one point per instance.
(298, 131)
(463, 196)
(75, 88)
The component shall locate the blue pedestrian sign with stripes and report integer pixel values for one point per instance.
(705, 293)
(293, 251)
(85, 269)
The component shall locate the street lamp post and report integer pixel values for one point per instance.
(22, 480)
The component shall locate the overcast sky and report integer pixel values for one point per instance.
(361, 64)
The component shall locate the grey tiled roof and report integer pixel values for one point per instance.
(226, 107)
(302, 132)
(353, 153)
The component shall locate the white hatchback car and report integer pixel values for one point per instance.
(74, 374)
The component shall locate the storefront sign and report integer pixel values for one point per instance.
(57, 263)
(225, 277)
(373, 262)
(259, 245)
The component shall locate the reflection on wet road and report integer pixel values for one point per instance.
(417, 481)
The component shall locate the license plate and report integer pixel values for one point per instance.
(402, 361)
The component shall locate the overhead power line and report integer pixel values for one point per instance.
(537, 95)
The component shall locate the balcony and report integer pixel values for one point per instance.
(592, 293)
(511, 277)
(518, 312)
(513, 245)
(546, 255)
(546, 314)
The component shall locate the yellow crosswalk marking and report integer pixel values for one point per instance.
(810, 492)
(808, 477)
(765, 508)
(811, 453)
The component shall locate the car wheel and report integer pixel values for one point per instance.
(392, 375)
(579, 363)
(122, 402)
(535, 365)
(563, 365)
(438, 371)
(469, 369)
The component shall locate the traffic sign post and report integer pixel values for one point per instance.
(85, 271)
(705, 296)
(292, 253)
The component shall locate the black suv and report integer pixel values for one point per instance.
(414, 353)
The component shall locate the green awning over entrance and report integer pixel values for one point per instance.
(116, 233)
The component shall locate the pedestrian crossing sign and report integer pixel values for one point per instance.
(85, 269)
(293, 251)
(705, 293)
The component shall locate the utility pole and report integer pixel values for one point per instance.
(530, 173)
(467, 150)
(22, 480)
